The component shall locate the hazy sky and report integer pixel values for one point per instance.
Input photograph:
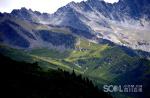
(48, 6)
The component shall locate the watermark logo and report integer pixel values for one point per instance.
(123, 88)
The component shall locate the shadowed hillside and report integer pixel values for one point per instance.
(24, 80)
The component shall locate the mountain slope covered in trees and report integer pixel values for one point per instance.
(25, 80)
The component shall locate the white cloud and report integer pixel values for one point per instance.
(111, 1)
(49, 6)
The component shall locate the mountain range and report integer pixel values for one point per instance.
(125, 23)
(109, 43)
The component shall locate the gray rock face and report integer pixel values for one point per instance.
(125, 23)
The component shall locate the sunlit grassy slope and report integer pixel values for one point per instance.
(102, 63)
(97, 61)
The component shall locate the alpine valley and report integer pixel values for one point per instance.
(108, 43)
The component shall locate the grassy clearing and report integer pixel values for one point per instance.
(101, 62)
